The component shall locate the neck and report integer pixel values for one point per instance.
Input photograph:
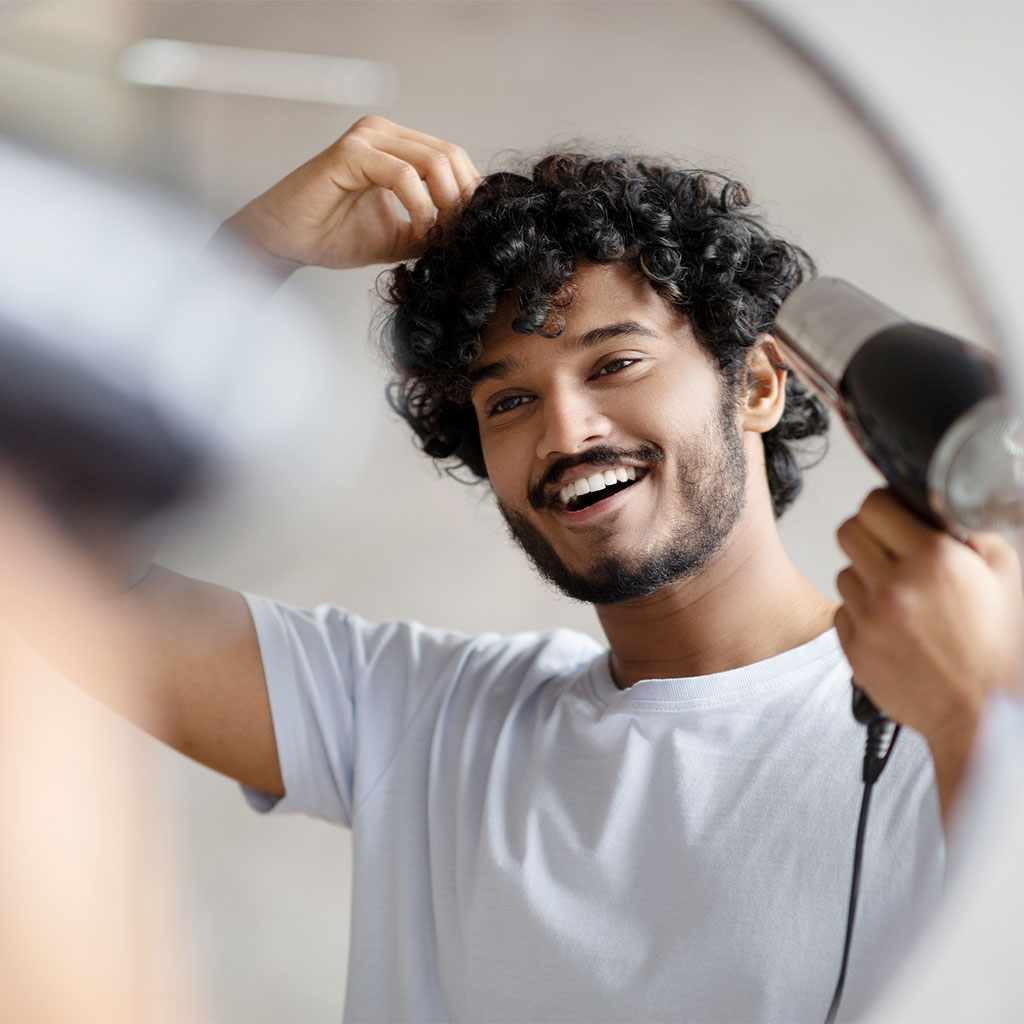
(749, 603)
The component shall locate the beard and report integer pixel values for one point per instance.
(712, 487)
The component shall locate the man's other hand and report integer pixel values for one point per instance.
(344, 208)
(930, 625)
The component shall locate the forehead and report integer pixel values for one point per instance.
(602, 296)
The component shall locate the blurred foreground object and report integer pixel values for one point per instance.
(967, 967)
(141, 379)
(136, 369)
(88, 930)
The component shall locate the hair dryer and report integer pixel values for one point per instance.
(926, 408)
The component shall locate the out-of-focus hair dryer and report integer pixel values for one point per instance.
(928, 409)
(142, 377)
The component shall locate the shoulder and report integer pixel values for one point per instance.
(358, 646)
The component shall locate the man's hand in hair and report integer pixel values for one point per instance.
(930, 625)
(371, 197)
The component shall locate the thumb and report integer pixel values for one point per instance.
(408, 244)
(997, 552)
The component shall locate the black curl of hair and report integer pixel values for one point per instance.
(684, 230)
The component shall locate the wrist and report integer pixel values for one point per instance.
(238, 236)
(951, 746)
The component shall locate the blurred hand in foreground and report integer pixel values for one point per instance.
(85, 880)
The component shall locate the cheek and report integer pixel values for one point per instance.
(505, 473)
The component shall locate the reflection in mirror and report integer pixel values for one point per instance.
(697, 83)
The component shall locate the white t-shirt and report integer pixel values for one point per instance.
(532, 844)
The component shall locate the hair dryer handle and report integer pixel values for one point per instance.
(864, 709)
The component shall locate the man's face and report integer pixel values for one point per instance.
(614, 449)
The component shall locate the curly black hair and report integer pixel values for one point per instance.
(525, 235)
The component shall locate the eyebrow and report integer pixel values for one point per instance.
(503, 368)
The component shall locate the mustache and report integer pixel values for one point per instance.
(598, 456)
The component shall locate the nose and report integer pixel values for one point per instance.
(570, 422)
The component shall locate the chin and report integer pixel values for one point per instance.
(614, 579)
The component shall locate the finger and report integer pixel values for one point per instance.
(408, 243)
(893, 526)
(466, 173)
(851, 588)
(998, 552)
(371, 166)
(843, 622)
(870, 558)
(441, 163)
(432, 165)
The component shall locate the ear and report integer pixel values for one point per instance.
(765, 398)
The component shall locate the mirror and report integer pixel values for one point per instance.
(700, 81)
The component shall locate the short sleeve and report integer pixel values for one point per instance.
(343, 692)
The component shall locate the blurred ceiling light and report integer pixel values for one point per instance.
(171, 63)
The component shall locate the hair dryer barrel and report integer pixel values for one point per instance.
(926, 408)
(822, 324)
(93, 451)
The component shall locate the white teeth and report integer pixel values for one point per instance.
(597, 482)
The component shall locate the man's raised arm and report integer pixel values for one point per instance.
(343, 208)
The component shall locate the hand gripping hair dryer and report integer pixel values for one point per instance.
(927, 409)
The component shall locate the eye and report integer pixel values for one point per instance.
(506, 404)
(614, 366)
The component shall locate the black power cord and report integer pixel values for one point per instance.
(881, 738)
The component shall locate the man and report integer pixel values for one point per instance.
(544, 829)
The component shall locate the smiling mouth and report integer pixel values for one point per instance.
(583, 493)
